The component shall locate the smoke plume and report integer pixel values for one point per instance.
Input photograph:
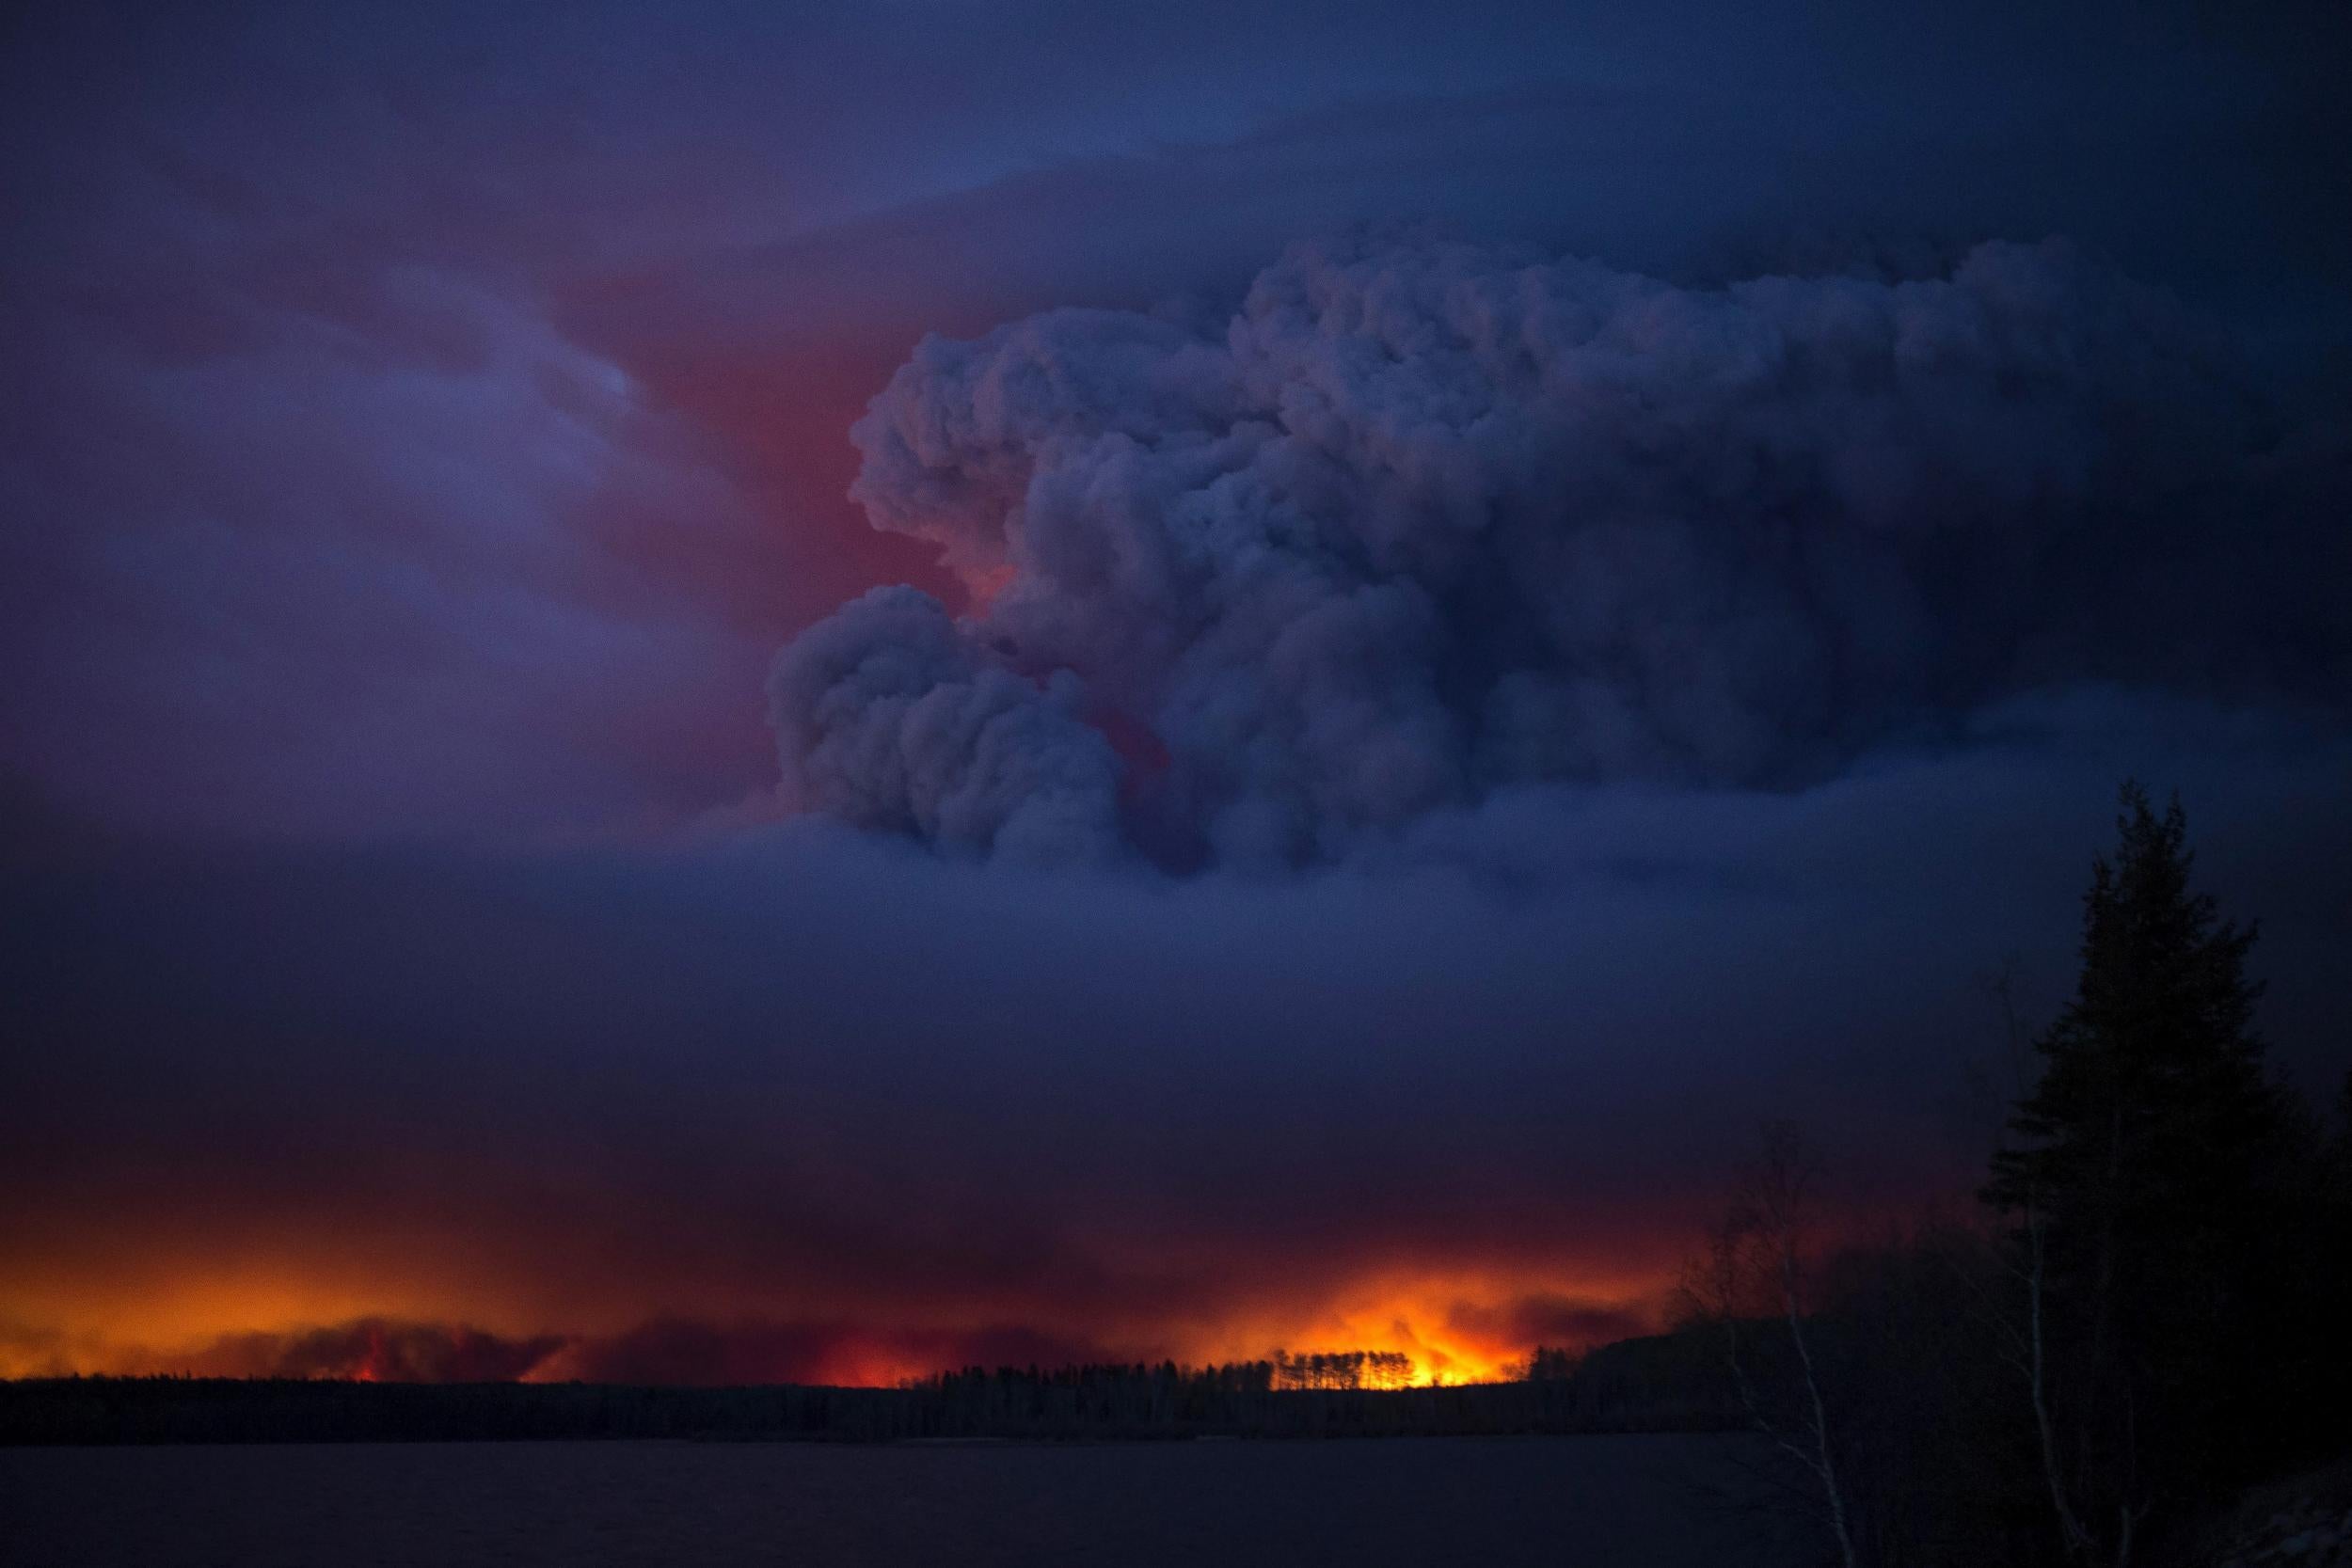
(1426, 522)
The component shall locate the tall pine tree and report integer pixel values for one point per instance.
(2148, 1160)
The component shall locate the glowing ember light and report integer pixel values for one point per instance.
(1355, 1369)
(371, 1369)
(1409, 1329)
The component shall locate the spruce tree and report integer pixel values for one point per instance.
(2148, 1157)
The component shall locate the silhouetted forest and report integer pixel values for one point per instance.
(1669, 1383)
(2145, 1313)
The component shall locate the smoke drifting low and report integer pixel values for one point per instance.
(1422, 523)
(1470, 1339)
(610, 1106)
(666, 1351)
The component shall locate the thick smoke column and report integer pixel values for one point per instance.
(893, 717)
(1429, 522)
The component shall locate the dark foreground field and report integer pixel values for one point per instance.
(1633, 1501)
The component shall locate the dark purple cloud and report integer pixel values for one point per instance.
(894, 719)
(1423, 523)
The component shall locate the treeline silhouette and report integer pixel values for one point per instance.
(1667, 1383)
(2148, 1312)
(1350, 1369)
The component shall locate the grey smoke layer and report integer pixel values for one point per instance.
(1426, 522)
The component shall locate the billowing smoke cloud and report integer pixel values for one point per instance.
(896, 720)
(1425, 522)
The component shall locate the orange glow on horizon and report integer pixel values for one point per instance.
(1445, 1328)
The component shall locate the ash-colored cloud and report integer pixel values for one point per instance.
(1425, 522)
(891, 718)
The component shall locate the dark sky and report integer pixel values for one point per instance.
(725, 691)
